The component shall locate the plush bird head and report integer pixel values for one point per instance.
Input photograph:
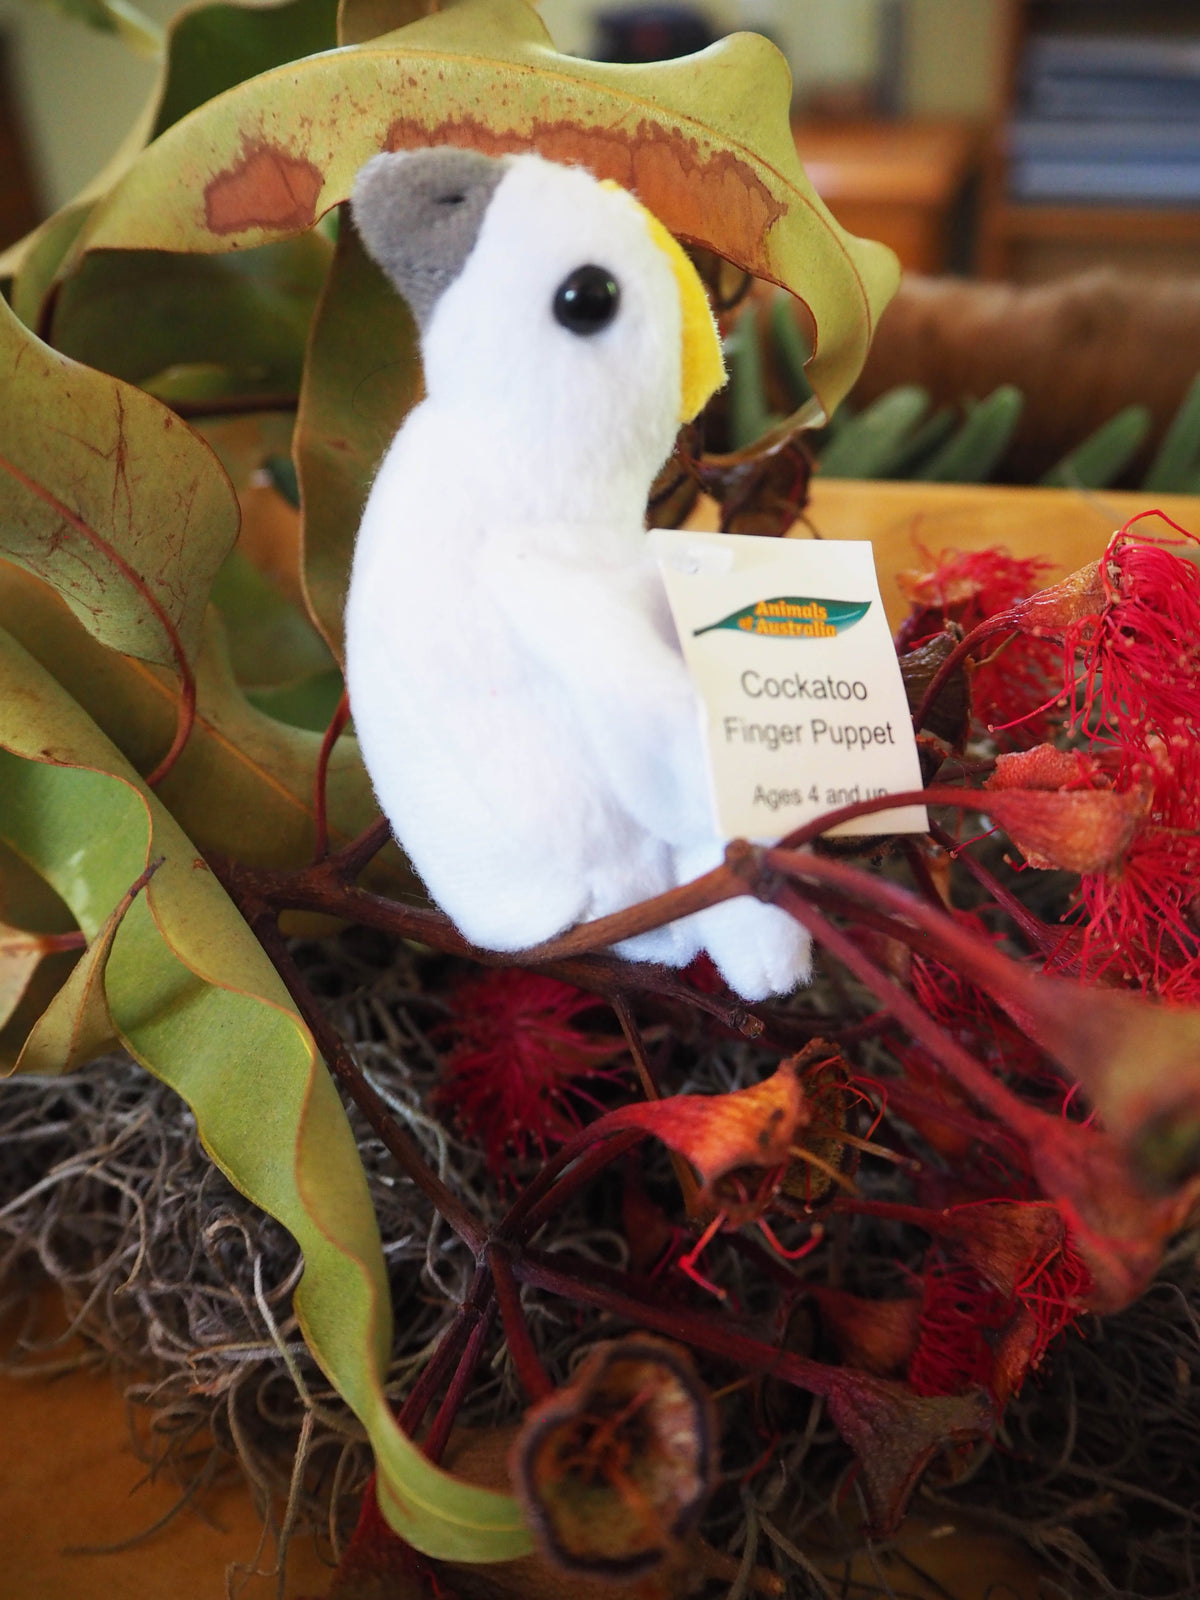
(551, 306)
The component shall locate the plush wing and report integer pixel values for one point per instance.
(606, 636)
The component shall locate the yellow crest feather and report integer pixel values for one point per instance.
(703, 367)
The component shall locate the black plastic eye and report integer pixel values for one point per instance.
(587, 300)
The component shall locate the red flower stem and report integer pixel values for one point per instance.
(909, 1103)
(961, 1066)
(1010, 982)
(1041, 936)
(185, 715)
(554, 1186)
(449, 1349)
(320, 887)
(987, 629)
(594, 1285)
(938, 795)
(434, 1442)
(372, 1105)
(533, 1376)
(351, 859)
(922, 877)
(891, 1211)
(333, 733)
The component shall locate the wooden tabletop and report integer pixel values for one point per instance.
(1066, 527)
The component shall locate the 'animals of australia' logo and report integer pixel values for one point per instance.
(793, 617)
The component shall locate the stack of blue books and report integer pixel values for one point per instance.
(1109, 119)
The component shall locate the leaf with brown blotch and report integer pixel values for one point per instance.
(704, 141)
(896, 1433)
(614, 1469)
(208, 49)
(361, 376)
(110, 498)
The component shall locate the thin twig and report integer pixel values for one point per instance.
(333, 732)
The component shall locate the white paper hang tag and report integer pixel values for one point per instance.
(788, 646)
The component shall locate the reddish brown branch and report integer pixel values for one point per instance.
(435, 1371)
(435, 1440)
(323, 887)
(534, 1378)
(591, 1284)
(333, 733)
(987, 629)
(1048, 941)
(352, 858)
(554, 1185)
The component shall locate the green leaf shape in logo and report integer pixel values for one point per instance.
(790, 616)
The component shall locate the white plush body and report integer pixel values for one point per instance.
(514, 675)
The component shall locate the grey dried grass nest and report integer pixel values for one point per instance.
(182, 1286)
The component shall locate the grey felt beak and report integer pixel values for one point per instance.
(418, 212)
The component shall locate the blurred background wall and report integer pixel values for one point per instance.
(77, 91)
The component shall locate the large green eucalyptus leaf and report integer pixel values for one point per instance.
(39, 260)
(243, 317)
(191, 993)
(362, 374)
(243, 786)
(209, 48)
(705, 141)
(77, 1026)
(359, 20)
(271, 642)
(110, 498)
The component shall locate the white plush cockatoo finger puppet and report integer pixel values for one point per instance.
(515, 678)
